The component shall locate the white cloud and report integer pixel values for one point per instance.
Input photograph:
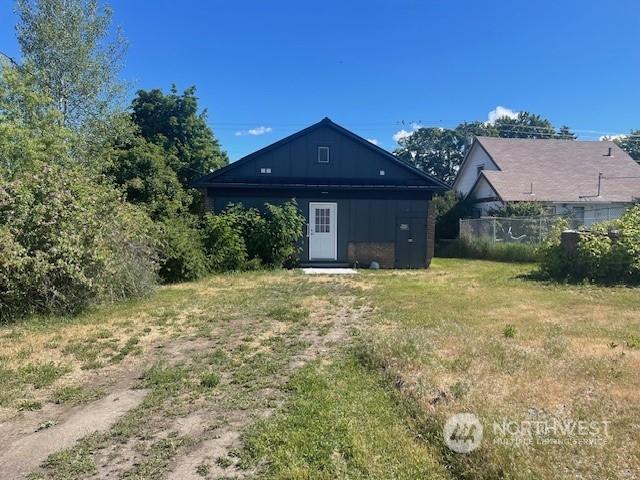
(254, 131)
(500, 112)
(618, 136)
(400, 134)
(375, 141)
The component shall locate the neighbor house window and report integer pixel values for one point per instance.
(381, 172)
(323, 154)
(265, 170)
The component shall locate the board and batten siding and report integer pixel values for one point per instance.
(382, 203)
(298, 159)
(367, 227)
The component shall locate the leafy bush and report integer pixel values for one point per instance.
(600, 256)
(67, 241)
(483, 249)
(552, 257)
(519, 209)
(285, 224)
(181, 245)
(223, 244)
(252, 228)
(449, 209)
(273, 237)
(237, 239)
(140, 169)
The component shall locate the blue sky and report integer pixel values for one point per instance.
(265, 69)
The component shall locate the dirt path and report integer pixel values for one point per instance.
(27, 440)
(210, 457)
(26, 445)
(179, 409)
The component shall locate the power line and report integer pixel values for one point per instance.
(11, 59)
(415, 125)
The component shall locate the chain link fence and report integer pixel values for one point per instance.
(530, 230)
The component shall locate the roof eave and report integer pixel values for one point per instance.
(284, 186)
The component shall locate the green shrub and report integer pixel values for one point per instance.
(252, 227)
(66, 241)
(449, 209)
(285, 224)
(181, 245)
(599, 256)
(223, 244)
(237, 239)
(483, 249)
(273, 237)
(519, 209)
(552, 257)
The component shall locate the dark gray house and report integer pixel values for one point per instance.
(361, 202)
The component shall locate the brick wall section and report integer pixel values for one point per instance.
(365, 252)
(431, 231)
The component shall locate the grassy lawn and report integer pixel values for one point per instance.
(342, 377)
(479, 337)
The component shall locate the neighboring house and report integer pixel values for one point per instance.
(361, 203)
(592, 181)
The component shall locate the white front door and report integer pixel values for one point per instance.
(323, 234)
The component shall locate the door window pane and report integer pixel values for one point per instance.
(322, 221)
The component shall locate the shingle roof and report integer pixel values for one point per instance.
(561, 170)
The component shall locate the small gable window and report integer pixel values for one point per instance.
(323, 154)
(480, 169)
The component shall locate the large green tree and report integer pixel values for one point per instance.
(436, 151)
(529, 125)
(75, 57)
(30, 131)
(173, 121)
(440, 151)
(140, 169)
(630, 144)
(525, 125)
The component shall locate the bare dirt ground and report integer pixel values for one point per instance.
(178, 408)
(25, 447)
(325, 333)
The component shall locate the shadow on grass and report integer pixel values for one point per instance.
(538, 276)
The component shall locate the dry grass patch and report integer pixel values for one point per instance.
(479, 337)
(220, 349)
(42, 354)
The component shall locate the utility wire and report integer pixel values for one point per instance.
(524, 129)
(516, 129)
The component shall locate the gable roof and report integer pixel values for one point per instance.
(556, 170)
(215, 177)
